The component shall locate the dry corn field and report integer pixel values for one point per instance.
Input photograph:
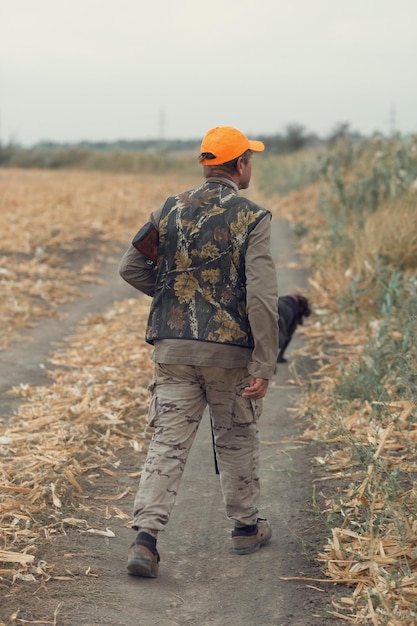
(57, 230)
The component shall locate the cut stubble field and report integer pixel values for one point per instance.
(58, 228)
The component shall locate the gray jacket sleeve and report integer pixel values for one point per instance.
(262, 300)
(135, 268)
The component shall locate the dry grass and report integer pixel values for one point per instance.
(368, 491)
(391, 232)
(372, 505)
(387, 239)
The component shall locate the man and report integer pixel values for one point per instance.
(213, 323)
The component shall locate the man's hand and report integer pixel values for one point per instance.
(257, 390)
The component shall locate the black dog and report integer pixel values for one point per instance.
(291, 310)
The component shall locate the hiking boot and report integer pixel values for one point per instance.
(250, 538)
(143, 558)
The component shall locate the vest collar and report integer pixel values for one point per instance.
(223, 181)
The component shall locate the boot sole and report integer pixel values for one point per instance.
(254, 548)
(142, 567)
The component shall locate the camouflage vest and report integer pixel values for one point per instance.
(201, 283)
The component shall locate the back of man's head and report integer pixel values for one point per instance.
(224, 144)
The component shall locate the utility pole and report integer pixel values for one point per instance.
(392, 120)
(162, 125)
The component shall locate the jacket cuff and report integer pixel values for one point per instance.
(261, 371)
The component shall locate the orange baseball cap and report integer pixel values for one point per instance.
(227, 143)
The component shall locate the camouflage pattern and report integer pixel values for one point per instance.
(201, 282)
(179, 396)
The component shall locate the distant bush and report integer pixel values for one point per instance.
(134, 162)
(287, 172)
(380, 170)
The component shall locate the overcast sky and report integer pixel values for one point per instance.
(75, 70)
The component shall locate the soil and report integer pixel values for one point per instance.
(200, 583)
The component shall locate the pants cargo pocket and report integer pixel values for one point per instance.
(246, 411)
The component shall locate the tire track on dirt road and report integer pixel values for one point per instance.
(25, 360)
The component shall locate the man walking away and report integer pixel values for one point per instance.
(213, 324)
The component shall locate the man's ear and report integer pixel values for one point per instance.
(239, 165)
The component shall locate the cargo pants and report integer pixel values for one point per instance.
(179, 396)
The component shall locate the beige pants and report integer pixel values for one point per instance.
(180, 394)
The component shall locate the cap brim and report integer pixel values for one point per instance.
(256, 146)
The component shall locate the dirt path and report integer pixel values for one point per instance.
(200, 583)
(24, 361)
